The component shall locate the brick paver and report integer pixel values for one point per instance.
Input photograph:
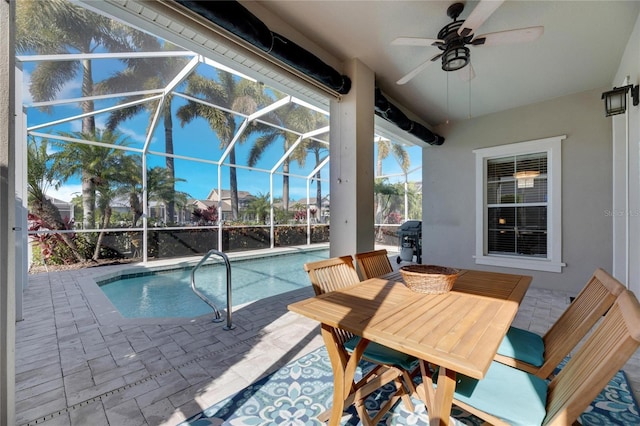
(78, 364)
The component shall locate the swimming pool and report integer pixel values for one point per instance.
(167, 293)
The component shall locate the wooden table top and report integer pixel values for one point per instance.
(460, 330)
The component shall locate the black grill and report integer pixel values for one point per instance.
(410, 241)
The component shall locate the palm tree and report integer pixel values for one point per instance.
(260, 206)
(290, 116)
(239, 95)
(318, 148)
(385, 148)
(41, 175)
(147, 73)
(59, 26)
(117, 171)
(161, 187)
(90, 162)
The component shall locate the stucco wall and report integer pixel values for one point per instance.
(449, 195)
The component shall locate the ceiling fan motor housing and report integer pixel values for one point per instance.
(456, 55)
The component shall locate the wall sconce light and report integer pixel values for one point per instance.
(615, 101)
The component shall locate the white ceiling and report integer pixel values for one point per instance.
(580, 49)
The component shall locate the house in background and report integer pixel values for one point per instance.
(65, 208)
(244, 199)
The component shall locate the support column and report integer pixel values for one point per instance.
(7, 214)
(352, 164)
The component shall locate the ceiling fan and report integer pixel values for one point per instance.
(454, 38)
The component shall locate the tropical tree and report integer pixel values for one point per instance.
(42, 174)
(260, 207)
(89, 162)
(388, 195)
(59, 26)
(205, 217)
(117, 171)
(229, 92)
(386, 148)
(147, 73)
(320, 151)
(161, 187)
(291, 116)
(415, 201)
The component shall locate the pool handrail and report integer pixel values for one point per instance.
(218, 317)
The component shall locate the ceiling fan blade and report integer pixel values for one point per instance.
(416, 41)
(418, 69)
(481, 13)
(467, 73)
(521, 35)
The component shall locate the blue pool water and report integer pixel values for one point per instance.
(168, 293)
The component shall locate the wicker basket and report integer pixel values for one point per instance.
(429, 279)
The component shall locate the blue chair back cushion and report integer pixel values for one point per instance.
(523, 345)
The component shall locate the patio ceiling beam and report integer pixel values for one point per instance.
(183, 157)
(209, 104)
(317, 169)
(152, 126)
(316, 132)
(193, 63)
(93, 98)
(219, 66)
(287, 154)
(89, 114)
(255, 116)
(296, 143)
(309, 106)
(241, 130)
(86, 142)
(167, 90)
(274, 106)
(401, 174)
(250, 118)
(114, 55)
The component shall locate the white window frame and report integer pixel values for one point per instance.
(553, 261)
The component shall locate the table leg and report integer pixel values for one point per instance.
(437, 399)
(441, 410)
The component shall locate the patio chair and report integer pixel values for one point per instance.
(373, 263)
(508, 396)
(391, 366)
(540, 355)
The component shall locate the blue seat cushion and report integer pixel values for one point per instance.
(523, 345)
(382, 355)
(515, 396)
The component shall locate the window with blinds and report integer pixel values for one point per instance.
(517, 205)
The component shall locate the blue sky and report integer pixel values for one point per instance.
(193, 140)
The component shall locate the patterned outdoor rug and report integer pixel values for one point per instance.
(297, 393)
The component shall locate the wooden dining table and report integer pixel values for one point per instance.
(457, 332)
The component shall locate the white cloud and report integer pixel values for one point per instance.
(133, 134)
(66, 192)
(70, 89)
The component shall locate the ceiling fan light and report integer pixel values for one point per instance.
(455, 58)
